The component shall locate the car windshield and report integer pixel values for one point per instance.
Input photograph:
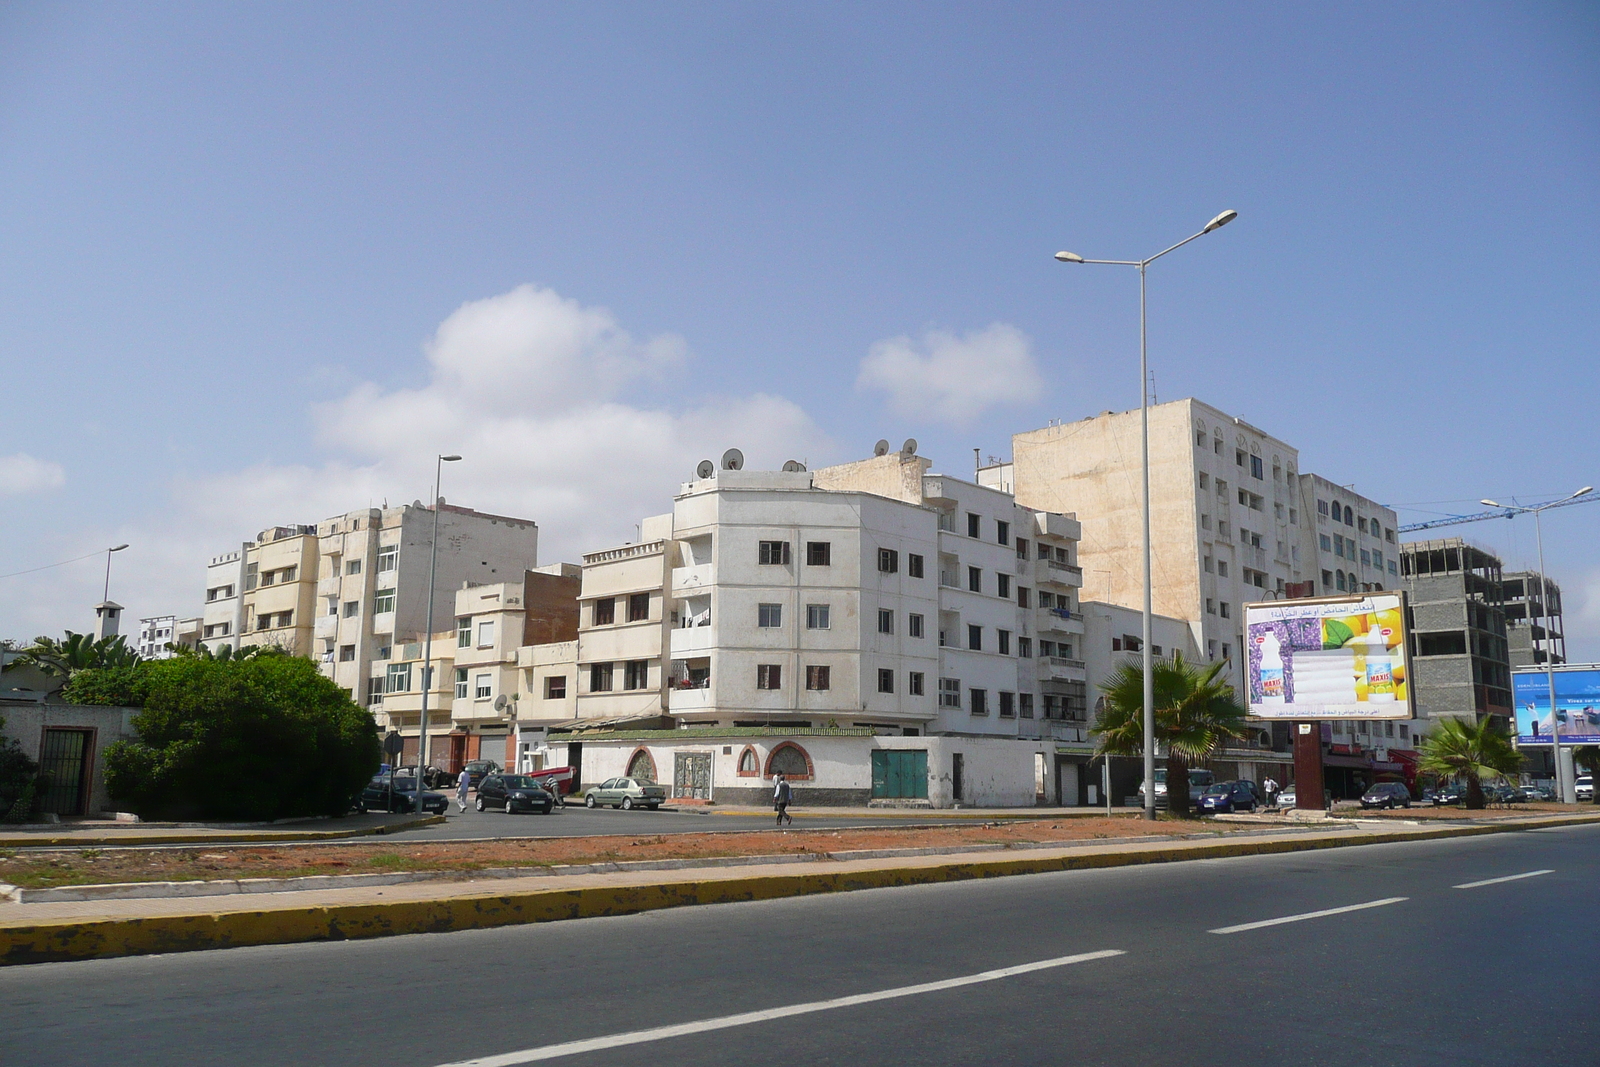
(1219, 790)
(478, 765)
(519, 781)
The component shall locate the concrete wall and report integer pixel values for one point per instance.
(26, 723)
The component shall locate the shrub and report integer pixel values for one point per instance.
(267, 737)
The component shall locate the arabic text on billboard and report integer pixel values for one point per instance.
(1328, 658)
(1577, 712)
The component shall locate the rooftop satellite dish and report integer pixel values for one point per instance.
(416, 503)
(792, 466)
(910, 447)
(500, 702)
(732, 460)
(881, 448)
(705, 470)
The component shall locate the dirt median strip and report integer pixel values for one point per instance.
(99, 937)
(215, 837)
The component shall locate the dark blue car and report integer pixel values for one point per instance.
(1242, 795)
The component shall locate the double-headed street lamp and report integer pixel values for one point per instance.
(427, 639)
(1144, 436)
(1566, 788)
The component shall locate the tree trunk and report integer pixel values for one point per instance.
(1177, 786)
(1475, 801)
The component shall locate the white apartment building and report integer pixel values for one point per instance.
(372, 582)
(159, 631)
(1353, 542)
(222, 617)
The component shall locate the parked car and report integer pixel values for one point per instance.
(377, 796)
(1537, 793)
(1584, 787)
(1199, 780)
(1454, 793)
(477, 768)
(1389, 795)
(1242, 795)
(432, 777)
(625, 793)
(1286, 797)
(514, 792)
(1502, 793)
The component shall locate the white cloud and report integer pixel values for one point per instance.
(954, 378)
(536, 393)
(21, 473)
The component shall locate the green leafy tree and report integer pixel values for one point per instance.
(1588, 757)
(1195, 713)
(78, 652)
(1456, 748)
(256, 738)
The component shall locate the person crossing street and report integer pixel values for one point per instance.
(781, 796)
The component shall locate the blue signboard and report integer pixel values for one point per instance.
(1577, 710)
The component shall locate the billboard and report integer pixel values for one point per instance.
(1328, 657)
(1577, 712)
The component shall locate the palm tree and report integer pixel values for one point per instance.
(1456, 748)
(1195, 714)
(78, 652)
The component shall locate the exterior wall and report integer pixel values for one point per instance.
(278, 605)
(26, 724)
(1360, 555)
(615, 575)
(996, 772)
(1459, 655)
(222, 618)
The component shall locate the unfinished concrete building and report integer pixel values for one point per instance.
(1459, 656)
(1533, 627)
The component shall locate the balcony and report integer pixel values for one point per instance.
(328, 586)
(691, 699)
(687, 581)
(327, 626)
(1067, 730)
(1061, 669)
(1052, 572)
(690, 641)
(1059, 620)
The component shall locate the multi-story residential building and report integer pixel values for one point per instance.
(1534, 632)
(1456, 604)
(159, 631)
(278, 601)
(874, 601)
(1351, 545)
(373, 579)
(222, 617)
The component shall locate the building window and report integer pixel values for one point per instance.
(975, 579)
(769, 615)
(1222, 609)
(461, 683)
(773, 554)
(885, 621)
(1002, 532)
(1025, 705)
(268, 578)
(639, 607)
(388, 559)
(789, 760)
(1238, 457)
(819, 553)
(1008, 705)
(1227, 650)
(1349, 516)
(769, 676)
(1392, 568)
(913, 565)
(1338, 580)
(1022, 596)
(914, 683)
(817, 678)
(1388, 535)
(555, 687)
(383, 601)
(973, 525)
(600, 678)
(397, 678)
(1022, 548)
(463, 633)
(1338, 546)
(1211, 606)
(1222, 568)
(749, 766)
(605, 612)
(816, 616)
(1205, 480)
(347, 653)
(885, 680)
(352, 566)
(485, 633)
(913, 625)
(1002, 586)
(975, 637)
(1255, 466)
(285, 618)
(484, 689)
(978, 699)
(949, 692)
(288, 574)
(888, 560)
(1366, 558)
(1326, 542)
(1003, 642)
(636, 674)
(1025, 647)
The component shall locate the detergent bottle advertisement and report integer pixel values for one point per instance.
(1328, 658)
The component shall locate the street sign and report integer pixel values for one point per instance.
(393, 744)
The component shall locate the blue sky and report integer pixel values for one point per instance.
(259, 262)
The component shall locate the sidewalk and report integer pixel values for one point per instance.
(67, 930)
(106, 833)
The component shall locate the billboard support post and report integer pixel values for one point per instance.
(1308, 785)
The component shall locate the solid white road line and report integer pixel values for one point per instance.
(1497, 881)
(1242, 927)
(639, 1037)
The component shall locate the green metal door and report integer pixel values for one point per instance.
(900, 774)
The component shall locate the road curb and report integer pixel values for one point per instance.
(217, 838)
(83, 939)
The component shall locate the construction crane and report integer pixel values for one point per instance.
(1498, 513)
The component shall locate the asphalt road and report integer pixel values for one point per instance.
(577, 821)
(1096, 967)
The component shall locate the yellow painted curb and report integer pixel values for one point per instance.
(105, 938)
(219, 837)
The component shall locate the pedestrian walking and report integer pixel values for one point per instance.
(463, 783)
(781, 795)
(1270, 787)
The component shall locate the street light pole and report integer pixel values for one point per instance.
(105, 595)
(1566, 788)
(1144, 462)
(427, 639)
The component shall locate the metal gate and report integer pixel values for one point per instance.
(691, 775)
(64, 766)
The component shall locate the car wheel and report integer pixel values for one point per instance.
(627, 803)
(479, 804)
(588, 801)
(508, 807)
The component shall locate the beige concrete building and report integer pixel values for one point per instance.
(278, 604)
